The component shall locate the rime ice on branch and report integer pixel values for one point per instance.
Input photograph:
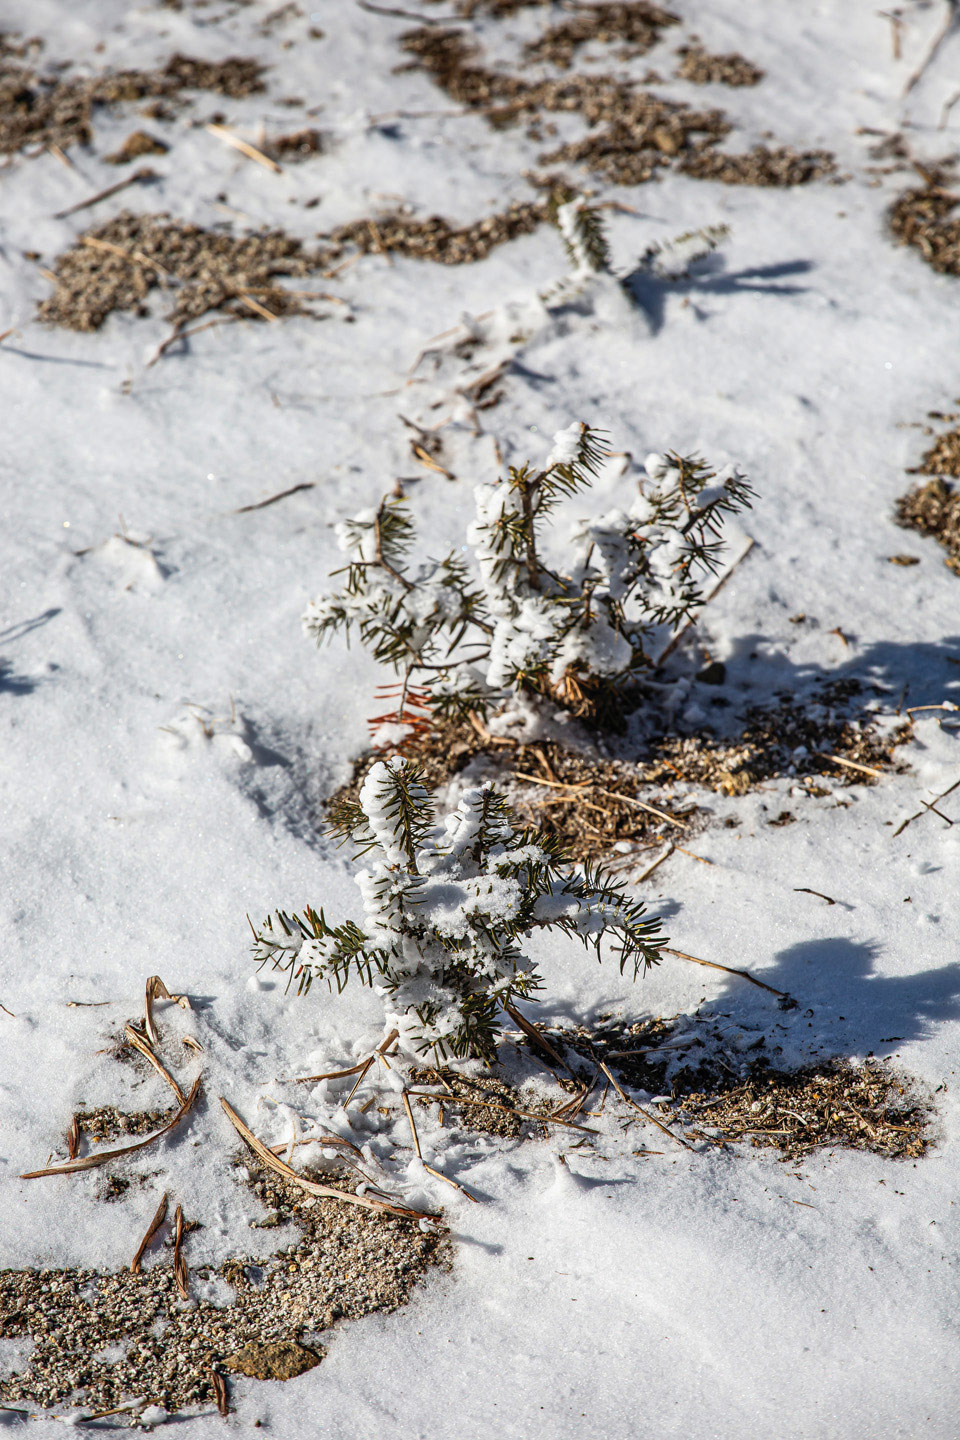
(472, 629)
(447, 904)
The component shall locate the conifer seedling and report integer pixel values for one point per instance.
(447, 907)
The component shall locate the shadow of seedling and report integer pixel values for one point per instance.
(792, 1077)
(10, 682)
(708, 276)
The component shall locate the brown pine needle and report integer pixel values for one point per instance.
(507, 1110)
(179, 1263)
(532, 1033)
(272, 500)
(152, 1228)
(646, 1115)
(90, 1162)
(73, 1139)
(727, 970)
(251, 151)
(429, 1168)
(311, 1186)
(147, 1051)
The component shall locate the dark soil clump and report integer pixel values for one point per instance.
(347, 1263)
(49, 111)
(923, 217)
(697, 66)
(114, 266)
(760, 166)
(436, 239)
(636, 24)
(934, 509)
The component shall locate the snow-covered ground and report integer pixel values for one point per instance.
(169, 736)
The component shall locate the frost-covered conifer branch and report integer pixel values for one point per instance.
(470, 630)
(447, 906)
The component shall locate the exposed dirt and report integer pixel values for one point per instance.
(633, 133)
(934, 509)
(44, 110)
(924, 218)
(436, 239)
(114, 266)
(702, 68)
(101, 1337)
(837, 1104)
(635, 24)
(591, 803)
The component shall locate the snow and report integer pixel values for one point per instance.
(168, 736)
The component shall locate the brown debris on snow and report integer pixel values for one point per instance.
(923, 217)
(934, 509)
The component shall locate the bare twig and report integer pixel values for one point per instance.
(950, 20)
(262, 504)
(805, 890)
(727, 970)
(645, 1113)
(850, 764)
(138, 176)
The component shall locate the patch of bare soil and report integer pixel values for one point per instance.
(46, 110)
(701, 68)
(347, 1263)
(635, 23)
(934, 509)
(923, 217)
(838, 1104)
(436, 239)
(853, 1107)
(114, 266)
(482, 1104)
(633, 133)
(589, 803)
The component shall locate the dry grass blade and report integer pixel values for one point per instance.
(179, 1263)
(507, 1110)
(437, 1174)
(256, 307)
(645, 1113)
(311, 1186)
(152, 1228)
(220, 1392)
(330, 1074)
(90, 1162)
(156, 990)
(532, 1033)
(282, 495)
(147, 1051)
(73, 1139)
(143, 174)
(850, 764)
(251, 151)
(728, 970)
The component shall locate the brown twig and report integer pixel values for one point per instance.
(532, 1033)
(850, 764)
(805, 890)
(928, 805)
(949, 22)
(262, 504)
(152, 1228)
(181, 333)
(73, 1139)
(143, 174)
(727, 970)
(646, 1115)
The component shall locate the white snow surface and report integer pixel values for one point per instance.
(168, 735)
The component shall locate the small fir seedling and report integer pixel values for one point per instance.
(583, 231)
(494, 620)
(447, 906)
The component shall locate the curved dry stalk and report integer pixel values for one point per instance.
(147, 1051)
(311, 1186)
(90, 1162)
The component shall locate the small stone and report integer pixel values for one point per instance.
(279, 1361)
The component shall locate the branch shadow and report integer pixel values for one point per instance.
(708, 277)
